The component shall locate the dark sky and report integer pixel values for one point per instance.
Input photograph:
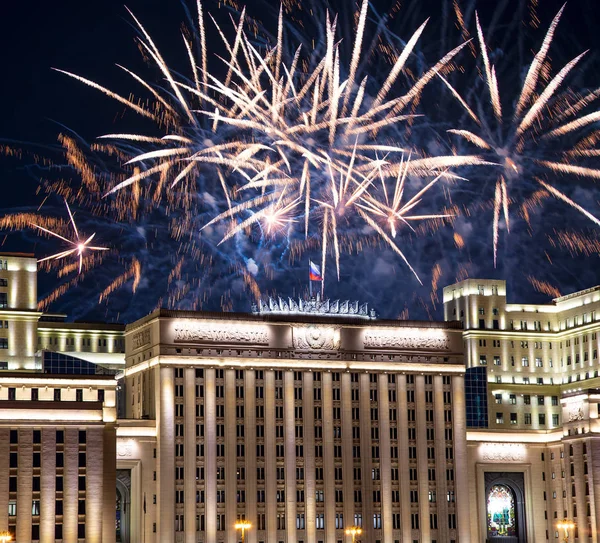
(89, 37)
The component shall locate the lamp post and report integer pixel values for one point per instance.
(566, 525)
(243, 525)
(353, 531)
(5, 537)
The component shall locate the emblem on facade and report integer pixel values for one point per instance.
(124, 448)
(325, 338)
(191, 331)
(406, 338)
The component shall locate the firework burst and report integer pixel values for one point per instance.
(291, 141)
(542, 139)
(79, 245)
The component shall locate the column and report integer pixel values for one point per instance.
(109, 451)
(230, 457)
(70, 486)
(165, 465)
(270, 458)
(403, 460)
(210, 454)
(366, 459)
(580, 498)
(4, 476)
(189, 450)
(594, 479)
(250, 439)
(385, 461)
(461, 484)
(440, 458)
(48, 486)
(289, 429)
(347, 444)
(94, 489)
(24, 487)
(309, 458)
(328, 459)
(422, 462)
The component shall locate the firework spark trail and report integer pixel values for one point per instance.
(544, 287)
(79, 246)
(309, 146)
(529, 148)
(296, 132)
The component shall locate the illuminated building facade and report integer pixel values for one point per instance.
(303, 418)
(537, 442)
(302, 423)
(57, 417)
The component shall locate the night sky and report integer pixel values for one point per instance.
(89, 37)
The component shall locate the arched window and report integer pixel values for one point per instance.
(501, 518)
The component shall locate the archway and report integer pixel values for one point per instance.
(501, 513)
(505, 508)
(123, 504)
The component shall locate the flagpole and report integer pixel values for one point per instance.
(309, 281)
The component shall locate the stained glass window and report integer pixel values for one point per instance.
(501, 519)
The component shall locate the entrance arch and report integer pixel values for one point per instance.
(505, 508)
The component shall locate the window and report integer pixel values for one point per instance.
(499, 418)
(542, 419)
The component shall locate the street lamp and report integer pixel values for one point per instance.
(243, 525)
(565, 525)
(353, 531)
(5, 537)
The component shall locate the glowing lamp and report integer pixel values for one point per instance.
(353, 531)
(242, 525)
(566, 525)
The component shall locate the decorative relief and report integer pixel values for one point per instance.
(220, 333)
(141, 338)
(503, 452)
(124, 448)
(406, 338)
(576, 412)
(324, 338)
(314, 306)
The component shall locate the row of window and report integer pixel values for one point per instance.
(261, 523)
(317, 375)
(527, 419)
(37, 437)
(35, 394)
(512, 399)
(85, 342)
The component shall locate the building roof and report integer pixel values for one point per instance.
(292, 318)
(19, 255)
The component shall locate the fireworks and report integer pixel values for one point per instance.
(290, 143)
(79, 246)
(536, 140)
(325, 137)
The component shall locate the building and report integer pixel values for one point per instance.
(304, 418)
(57, 417)
(539, 443)
(302, 421)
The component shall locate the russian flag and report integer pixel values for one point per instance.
(314, 272)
